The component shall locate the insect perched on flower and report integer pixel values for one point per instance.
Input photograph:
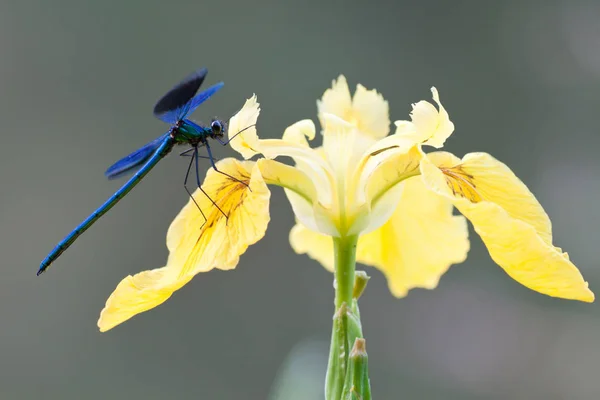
(382, 193)
(174, 108)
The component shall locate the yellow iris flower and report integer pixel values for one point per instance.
(362, 182)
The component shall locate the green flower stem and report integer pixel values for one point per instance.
(346, 321)
(345, 263)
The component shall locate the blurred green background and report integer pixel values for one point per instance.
(78, 80)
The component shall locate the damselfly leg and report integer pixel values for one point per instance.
(187, 174)
(187, 152)
(212, 161)
(200, 184)
(225, 143)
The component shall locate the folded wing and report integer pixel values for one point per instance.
(135, 160)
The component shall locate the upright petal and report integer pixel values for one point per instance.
(341, 144)
(336, 100)
(418, 244)
(444, 127)
(367, 110)
(429, 125)
(371, 112)
(299, 132)
(509, 220)
(243, 124)
(198, 246)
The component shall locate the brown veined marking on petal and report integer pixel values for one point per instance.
(224, 197)
(223, 194)
(461, 183)
(376, 152)
(233, 187)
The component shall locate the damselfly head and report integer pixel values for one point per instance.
(218, 128)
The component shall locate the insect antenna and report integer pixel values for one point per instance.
(225, 143)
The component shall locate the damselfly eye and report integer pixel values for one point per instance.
(216, 127)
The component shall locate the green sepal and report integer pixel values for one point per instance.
(360, 283)
(357, 385)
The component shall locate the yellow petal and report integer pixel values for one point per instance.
(343, 144)
(279, 174)
(293, 144)
(413, 249)
(299, 132)
(429, 125)
(390, 171)
(371, 112)
(241, 124)
(382, 166)
(367, 111)
(221, 240)
(336, 100)
(444, 126)
(489, 179)
(380, 185)
(196, 246)
(311, 162)
(301, 193)
(518, 239)
(136, 294)
(318, 246)
(418, 244)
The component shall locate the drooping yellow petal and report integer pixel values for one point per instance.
(198, 246)
(512, 226)
(136, 294)
(241, 124)
(420, 241)
(491, 180)
(429, 125)
(317, 246)
(221, 240)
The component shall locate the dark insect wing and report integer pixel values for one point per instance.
(175, 101)
(135, 159)
(201, 98)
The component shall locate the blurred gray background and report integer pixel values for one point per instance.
(78, 80)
